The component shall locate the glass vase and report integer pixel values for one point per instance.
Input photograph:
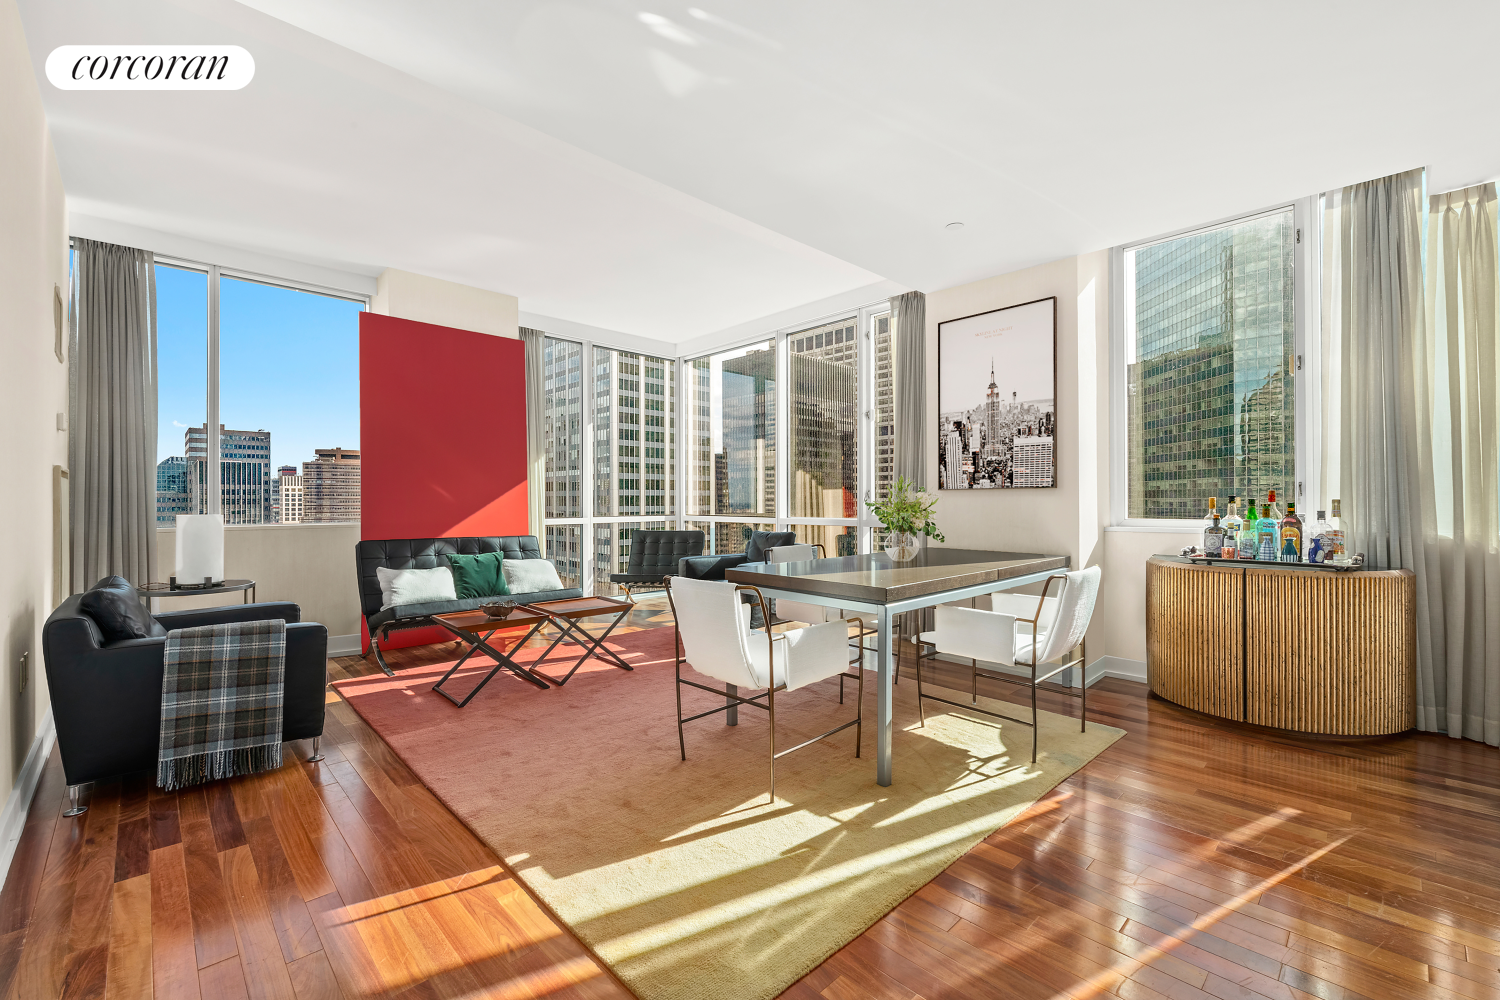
(902, 546)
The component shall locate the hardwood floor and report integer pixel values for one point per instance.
(1190, 860)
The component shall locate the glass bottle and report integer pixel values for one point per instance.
(1338, 547)
(1271, 503)
(1318, 546)
(1232, 527)
(1245, 546)
(1266, 531)
(1213, 511)
(1213, 539)
(1291, 535)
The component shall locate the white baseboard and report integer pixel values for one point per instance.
(13, 817)
(346, 645)
(1117, 666)
(1104, 666)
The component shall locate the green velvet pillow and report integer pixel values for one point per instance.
(478, 576)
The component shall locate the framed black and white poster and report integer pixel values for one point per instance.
(997, 406)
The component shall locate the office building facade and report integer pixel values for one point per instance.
(331, 484)
(1211, 397)
(246, 487)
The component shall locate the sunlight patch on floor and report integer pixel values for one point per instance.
(751, 904)
(1103, 981)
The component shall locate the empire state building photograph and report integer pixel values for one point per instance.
(997, 417)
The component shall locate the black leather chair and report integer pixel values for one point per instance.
(429, 553)
(713, 567)
(655, 555)
(106, 696)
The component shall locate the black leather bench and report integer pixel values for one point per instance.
(428, 553)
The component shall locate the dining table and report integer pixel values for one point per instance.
(876, 585)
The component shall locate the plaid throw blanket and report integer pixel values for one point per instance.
(221, 699)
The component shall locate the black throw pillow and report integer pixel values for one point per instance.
(116, 608)
(761, 541)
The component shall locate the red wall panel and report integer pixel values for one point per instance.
(442, 433)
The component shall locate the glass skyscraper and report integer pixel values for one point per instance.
(745, 467)
(1210, 365)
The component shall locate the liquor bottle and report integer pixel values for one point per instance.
(1244, 547)
(1266, 532)
(1213, 539)
(1271, 502)
(1338, 545)
(1291, 535)
(1232, 526)
(1213, 511)
(1320, 545)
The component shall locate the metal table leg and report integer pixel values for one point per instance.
(883, 698)
(567, 628)
(502, 662)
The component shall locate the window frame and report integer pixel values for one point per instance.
(865, 524)
(214, 273)
(1306, 259)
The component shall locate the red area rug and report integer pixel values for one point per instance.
(681, 875)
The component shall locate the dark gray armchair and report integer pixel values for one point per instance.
(713, 567)
(106, 696)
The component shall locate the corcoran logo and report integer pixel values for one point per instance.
(150, 67)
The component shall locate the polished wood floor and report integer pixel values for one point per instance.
(1190, 860)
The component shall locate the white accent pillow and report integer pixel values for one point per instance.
(415, 586)
(530, 576)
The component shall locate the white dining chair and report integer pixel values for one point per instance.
(715, 638)
(1017, 631)
(800, 611)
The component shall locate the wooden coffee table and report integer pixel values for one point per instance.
(476, 628)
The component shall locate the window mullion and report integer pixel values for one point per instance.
(213, 487)
(586, 472)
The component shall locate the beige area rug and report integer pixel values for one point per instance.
(682, 876)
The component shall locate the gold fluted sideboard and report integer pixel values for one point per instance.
(1309, 651)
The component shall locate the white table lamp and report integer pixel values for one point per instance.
(200, 548)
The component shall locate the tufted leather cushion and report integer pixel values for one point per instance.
(427, 553)
(655, 554)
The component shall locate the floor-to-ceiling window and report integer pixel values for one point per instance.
(792, 432)
(563, 408)
(610, 435)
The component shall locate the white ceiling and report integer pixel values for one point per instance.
(670, 170)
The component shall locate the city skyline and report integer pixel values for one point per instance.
(250, 491)
(304, 406)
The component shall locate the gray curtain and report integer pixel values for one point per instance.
(112, 440)
(536, 441)
(1412, 420)
(1460, 693)
(909, 332)
(1382, 383)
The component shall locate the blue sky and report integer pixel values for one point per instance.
(288, 363)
